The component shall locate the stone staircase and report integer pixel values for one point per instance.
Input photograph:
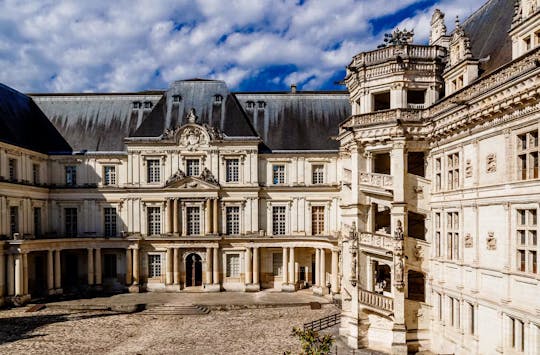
(176, 310)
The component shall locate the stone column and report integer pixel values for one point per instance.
(209, 266)
(136, 266)
(57, 271)
(90, 265)
(18, 275)
(284, 268)
(10, 275)
(2, 274)
(169, 272)
(97, 262)
(248, 272)
(292, 275)
(317, 270)
(215, 217)
(50, 271)
(176, 269)
(255, 265)
(25, 272)
(215, 264)
(335, 278)
(129, 265)
(208, 220)
(323, 268)
(175, 216)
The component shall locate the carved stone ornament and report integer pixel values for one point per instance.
(491, 241)
(207, 176)
(353, 249)
(468, 240)
(177, 176)
(398, 233)
(468, 168)
(192, 137)
(491, 163)
(419, 252)
(398, 273)
(192, 116)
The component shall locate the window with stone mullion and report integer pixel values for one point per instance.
(527, 241)
(278, 220)
(233, 220)
(528, 155)
(452, 232)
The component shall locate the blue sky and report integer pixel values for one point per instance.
(131, 45)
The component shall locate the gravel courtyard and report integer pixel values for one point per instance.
(243, 331)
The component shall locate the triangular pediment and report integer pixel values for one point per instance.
(191, 182)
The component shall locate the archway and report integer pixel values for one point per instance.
(193, 270)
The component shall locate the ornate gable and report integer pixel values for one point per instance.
(204, 181)
(192, 135)
(460, 45)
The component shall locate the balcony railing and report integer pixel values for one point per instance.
(374, 179)
(377, 241)
(416, 106)
(407, 51)
(376, 300)
(385, 116)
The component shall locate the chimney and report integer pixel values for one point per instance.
(293, 88)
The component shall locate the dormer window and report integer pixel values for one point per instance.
(261, 105)
(176, 98)
(250, 105)
(218, 99)
(147, 104)
(136, 105)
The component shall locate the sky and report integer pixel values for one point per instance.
(253, 45)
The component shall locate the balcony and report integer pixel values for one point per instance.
(418, 52)
(380, 184)
(376, 301)
(379, 241)
(416, 106)
(385, 116)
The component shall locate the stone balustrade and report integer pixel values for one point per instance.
(385, 116)
(374, 179)
(377, 241)
(391, 52)
(376, 300)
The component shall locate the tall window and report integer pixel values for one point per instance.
(278, 174)
(192, 167)
(438, 174)
(438, 239)
(527, 240)
(277, 264)
(13, 220)
(278, 220)
(317, 174)
(153, 171)
(233, 265)
(109, 175)
(109, 218)
(517, 328)
(440, 306)
(193, 220)
(70, 220)
(454, 312)
(37, 221)
(154, 220)
(35, 174)
(12, 169)
(472, 319)
(231, 170)
(233, 220)
(452, 241)
(317, 220)
(154, 265)
(453, 171)
(71, 175)
(528, 155)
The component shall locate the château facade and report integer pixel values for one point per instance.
(412, 197)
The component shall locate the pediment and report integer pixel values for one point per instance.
(191, 182)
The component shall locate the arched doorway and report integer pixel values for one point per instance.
(193, 270)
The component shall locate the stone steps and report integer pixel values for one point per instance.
(176, 310)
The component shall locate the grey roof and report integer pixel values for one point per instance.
(487, 28)
(23, 124)
(212, 101)
(96, 121)
(297, 121)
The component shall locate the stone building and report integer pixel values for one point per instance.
(412, 197)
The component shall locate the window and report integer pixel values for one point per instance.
(193, 220)
(218, 99)
(278, 220)
(136, 105)
(192, 167)
(527, 43)
(71, 175)
(453, 312)
(233, 265)
(177, 98)
(35, 174)
(148, 104)
(452, 241)
(527, 240)
(317, 220)
(70, 220)
(528, 155)
(109, 175)
(261, 105)
(471, 318)
(154, 220)
(317, 174)
(517, 329)
(153, 166)
(154, 265)
(109, 218)
(250, 105)
(233, 220)
(438, 176)
(37, 221)
(13, 220)
(231, 170)
(438, 241)
(109, 266)
(277, 264)
(440, 306)
(278, 174)
(12, 169)
(453, 171)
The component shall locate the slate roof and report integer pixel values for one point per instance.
(23, 124)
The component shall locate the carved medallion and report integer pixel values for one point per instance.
(491, 241)
(491, 164)
(468, 241)
(468, 168)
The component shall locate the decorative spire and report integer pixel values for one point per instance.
(397, 38)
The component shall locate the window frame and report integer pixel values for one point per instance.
(318, 220)
(279, 220)
(196, 167)
(232, 171)
(153, 171)
(193, 225)
(526, 240)
(527, 155)
(110, 222)
(110, 177)
(232, 270)
(279, 174)
(70, 172)
(317, 174)
(153, 219)
(155, 265)
(232, 220)
(71, 228)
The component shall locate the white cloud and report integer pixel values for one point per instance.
(101, 45)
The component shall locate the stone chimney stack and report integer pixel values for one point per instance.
(293, 88)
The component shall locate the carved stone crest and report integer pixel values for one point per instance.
(491, 163)
(192, 137)
(468, 168)
(491, 241)
(468, 241)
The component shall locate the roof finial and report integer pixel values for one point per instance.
(192, 116)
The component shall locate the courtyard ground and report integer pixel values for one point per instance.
(238, 323)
